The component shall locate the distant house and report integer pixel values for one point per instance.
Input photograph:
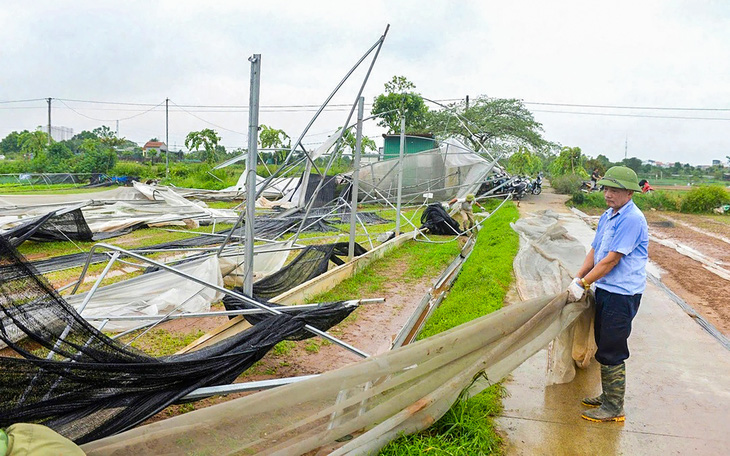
(157, 146)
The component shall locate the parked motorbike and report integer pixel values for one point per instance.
(518, 187)
(536, 185)
(645, 187)
(588, 187)
(494, 182)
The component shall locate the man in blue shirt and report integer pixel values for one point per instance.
(616, 263)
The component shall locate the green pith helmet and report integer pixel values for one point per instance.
(470, 197)
(620, 177)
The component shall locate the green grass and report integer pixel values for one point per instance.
(407, 263)
(468, 427)
(142, 237)
(160, 342)
(56, 189)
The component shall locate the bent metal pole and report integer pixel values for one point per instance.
(228, 292)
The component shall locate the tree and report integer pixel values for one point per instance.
(272, 138)
(400, 99)
(569, 161)
(496, 123)
(10, 145)
(56, 158)
(349, 140)
(107, 136)
(33, 143)
(84, 135)
(95, 157)
(633, 163)
(206, 139)
(524, 162)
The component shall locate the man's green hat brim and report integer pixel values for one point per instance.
(620, 177)
(616, 183)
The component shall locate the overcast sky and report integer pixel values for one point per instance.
(640, 54)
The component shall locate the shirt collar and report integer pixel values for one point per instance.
(621, 210)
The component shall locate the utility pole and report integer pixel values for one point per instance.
(49, 120)
(167, 137)
(253, 135)
(467, 103)
(355, 177)
(626, 148)
(400, 171)
(117, 133)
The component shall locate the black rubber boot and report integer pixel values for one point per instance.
(613, 381)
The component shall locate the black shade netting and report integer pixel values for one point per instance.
(265, 227)
(94, 386)
(438, 221)
(310, 263)
(70, 225)
(326, 192)
(328, 315)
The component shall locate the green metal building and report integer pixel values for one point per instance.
(414, 144)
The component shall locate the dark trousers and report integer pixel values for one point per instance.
(614, 313)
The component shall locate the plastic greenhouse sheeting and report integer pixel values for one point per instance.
(544, 266)
(450, 170)
(374, 400)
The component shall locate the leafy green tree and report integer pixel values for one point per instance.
(95, 157)
(56, 158)
(108, 137)
(33, 143)
(569, 161)
(633, 163)
(10, 145)
(273, 138)
(400, 99)
(524, 162)
(349, 141)
(84, 135)
(497, 123)
(206, 139)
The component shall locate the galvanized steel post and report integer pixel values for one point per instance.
(400, 171)
(355, 177)
(253, 135)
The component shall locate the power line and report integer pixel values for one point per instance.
(208, 122)
(650, 108)
(108, 120)
(22, 101)
(628, 115)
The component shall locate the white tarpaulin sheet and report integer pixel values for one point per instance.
(155, 293)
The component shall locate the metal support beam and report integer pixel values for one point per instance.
(167, 137)
(253, 135)
(208, 391)
(228, 292)
(356, 177)
(225, 313)
(400, 171)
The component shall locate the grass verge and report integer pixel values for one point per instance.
(468, 427)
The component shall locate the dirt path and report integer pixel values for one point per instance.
(707, 293)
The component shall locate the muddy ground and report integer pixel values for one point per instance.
(705, 291)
